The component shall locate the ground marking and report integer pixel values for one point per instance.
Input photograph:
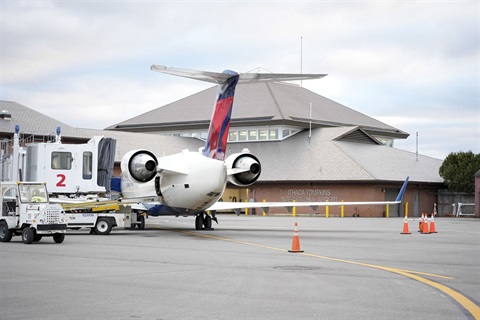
(469, 305)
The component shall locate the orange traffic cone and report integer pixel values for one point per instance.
(425, 225)
(296, 240)
(420, 224)
(432, 224)
(405, 226)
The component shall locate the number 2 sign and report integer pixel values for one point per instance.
(61, 180)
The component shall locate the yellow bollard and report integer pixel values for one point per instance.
(387, 211)
(294, 210)
(246, 197)
(342, 211)
(406, 208)
(264, 214)
(326, 210)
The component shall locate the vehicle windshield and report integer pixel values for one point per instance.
(36, 193)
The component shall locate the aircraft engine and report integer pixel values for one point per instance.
(243, 169)
(141, 165)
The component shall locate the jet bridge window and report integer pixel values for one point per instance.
(62, 160)
(87, 165)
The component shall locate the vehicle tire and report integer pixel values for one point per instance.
(141, 222)
(28, 235)
(103, 227)
(37, 237)
(5, 233)
(59, 237)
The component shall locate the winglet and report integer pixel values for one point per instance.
(402, 191)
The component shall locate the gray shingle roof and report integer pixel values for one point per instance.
(322, 158)
(29, 120)
(36, 123)
(271, 101)
(328, 155)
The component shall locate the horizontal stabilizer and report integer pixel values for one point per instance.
(171, 165)
(221, 77)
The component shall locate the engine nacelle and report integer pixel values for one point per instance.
(141, 165)
(243, 169)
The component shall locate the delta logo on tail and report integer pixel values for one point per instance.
(216, 144)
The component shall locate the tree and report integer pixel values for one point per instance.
(458, 170)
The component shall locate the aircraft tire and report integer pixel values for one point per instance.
(141, 222)
(199, 222)
(207, 222)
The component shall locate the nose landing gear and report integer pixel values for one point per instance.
(203, 221)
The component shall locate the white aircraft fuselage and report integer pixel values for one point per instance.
(186, 183)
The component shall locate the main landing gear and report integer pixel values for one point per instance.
(203, 221)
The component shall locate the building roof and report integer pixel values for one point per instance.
(326, 156)
(29, 120)
(32, 122)
(266, 103)
(334, 154)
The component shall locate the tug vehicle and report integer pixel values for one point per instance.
(26, 212)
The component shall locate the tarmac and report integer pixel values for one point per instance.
(351, 268)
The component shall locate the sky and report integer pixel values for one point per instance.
(414, 65)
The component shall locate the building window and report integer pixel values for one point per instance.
(262, 134)
(232, 136)
(273, 134)
(386, 141)
(252, 135)
(245, 134)
(242, 135)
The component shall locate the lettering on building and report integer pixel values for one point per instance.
(309, 195)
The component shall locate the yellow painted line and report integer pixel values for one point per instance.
(469, 305)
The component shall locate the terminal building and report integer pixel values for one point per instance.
(310, 147)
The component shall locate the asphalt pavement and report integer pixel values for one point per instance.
(351, 268)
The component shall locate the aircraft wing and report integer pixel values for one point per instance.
(221, 77)
(247, 205)
(219, 206)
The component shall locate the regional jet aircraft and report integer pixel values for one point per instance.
(191, 183)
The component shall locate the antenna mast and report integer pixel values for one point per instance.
(301, 58)
(416, 147)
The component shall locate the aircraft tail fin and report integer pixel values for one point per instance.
(216, 143)
(402, 191)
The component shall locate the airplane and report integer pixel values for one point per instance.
(191, 183)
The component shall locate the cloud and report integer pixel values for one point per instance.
(389, 60)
